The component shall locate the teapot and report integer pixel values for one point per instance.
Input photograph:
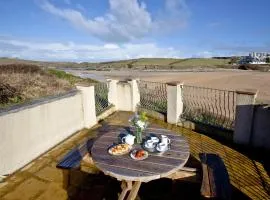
(128, 139)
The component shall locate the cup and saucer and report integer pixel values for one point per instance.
(162, 147)
(164, 144)
(150, 144)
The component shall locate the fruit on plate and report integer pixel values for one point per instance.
(119, 149)
(140, 154)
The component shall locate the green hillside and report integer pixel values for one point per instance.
(167, 63)
(204, 62)
(141, 63)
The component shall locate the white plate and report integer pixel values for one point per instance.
(132, 155)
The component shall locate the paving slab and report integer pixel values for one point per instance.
(53, 192)
(27, 190)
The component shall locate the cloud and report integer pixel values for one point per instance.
(125, 21)
(57, 51)
(174, 15)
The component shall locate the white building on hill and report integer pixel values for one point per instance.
(255, 58)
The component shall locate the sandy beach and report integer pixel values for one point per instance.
(225, 79)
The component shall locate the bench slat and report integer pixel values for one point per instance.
(205, 189)
(73, 158)
(216, 183)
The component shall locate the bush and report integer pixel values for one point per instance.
(9, 94)
(20, 68)
(20, 83)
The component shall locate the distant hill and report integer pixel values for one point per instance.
(168, 63)
(5, 61)
(141, 63)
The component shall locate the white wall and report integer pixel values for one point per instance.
(29, 131)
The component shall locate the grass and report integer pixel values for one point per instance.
(201, 62)
(167, 63)
(20, 83)
(156, 61)
(69, 77)
(140, 63)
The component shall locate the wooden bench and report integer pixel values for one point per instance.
(215, 183)
(72, 159)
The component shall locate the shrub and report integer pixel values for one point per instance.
(20, 83)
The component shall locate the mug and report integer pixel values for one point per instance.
(165, 140)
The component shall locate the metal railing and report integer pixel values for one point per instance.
(101, 97)
(153, 96)
(209, 106)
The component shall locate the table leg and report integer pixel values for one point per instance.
(134, 191)
(126, 186)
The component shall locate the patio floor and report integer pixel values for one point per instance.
(248, 170)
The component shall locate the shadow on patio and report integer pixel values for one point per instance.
(42, 180)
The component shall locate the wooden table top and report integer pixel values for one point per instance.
(156, 166)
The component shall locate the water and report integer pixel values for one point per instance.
(83, 74)
(93, 76)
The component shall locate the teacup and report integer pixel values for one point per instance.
(154, 139)
(149, 144)
(165, 140)
(162, 146)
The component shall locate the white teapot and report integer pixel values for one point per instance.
(128, 139)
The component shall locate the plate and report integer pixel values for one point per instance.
(119, 149)
(133, 153)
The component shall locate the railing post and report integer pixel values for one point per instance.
(112, 94)
(135, 94)
(245, 100)
(174, 102)
(88, 105)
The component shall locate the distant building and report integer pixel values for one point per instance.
(255, 58)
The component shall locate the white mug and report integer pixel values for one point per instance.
(165, 140)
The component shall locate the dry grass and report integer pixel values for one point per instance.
(20, 83)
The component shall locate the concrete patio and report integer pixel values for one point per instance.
(248, 171)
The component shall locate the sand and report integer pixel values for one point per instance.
(227, 79)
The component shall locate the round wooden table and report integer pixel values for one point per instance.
(131, 172)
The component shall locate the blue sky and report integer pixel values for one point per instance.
(97, 30)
